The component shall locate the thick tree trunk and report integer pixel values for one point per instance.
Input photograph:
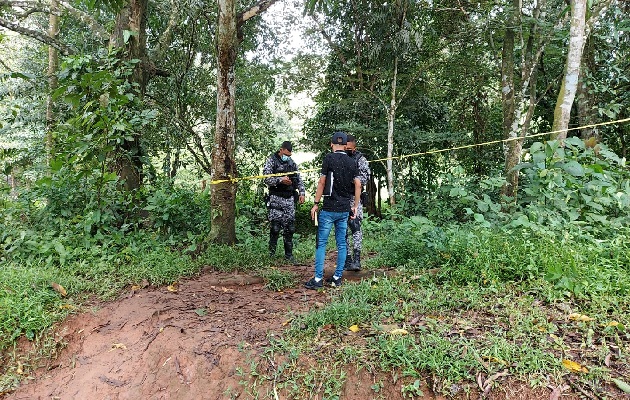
(223, 195)
(53, 65)
(391, 116)
(132, 18)
(569, 86)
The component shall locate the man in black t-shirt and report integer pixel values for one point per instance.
(338, 182)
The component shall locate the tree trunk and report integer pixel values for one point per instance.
(223, 195)
(507, 100)
(391, 116)
(372, 192)
(562, 112)
(53, 65)
(479, 128)
(378, 196)
(132, 18)
(587, 113)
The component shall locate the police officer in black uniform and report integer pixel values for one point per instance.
(284, 192)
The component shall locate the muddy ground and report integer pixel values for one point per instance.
(192, 343)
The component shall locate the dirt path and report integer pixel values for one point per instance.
(158, 344)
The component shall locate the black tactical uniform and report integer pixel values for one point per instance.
(281, 202)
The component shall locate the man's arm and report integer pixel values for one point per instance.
(268, 170)
(318, 195)
(357, 195)
(299, 184)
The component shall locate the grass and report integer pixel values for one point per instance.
(469, 301)
(482, 303)
(276, 279)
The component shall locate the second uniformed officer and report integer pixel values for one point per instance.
(353, 263)
(282, 198)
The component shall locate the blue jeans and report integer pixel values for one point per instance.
(326, 221)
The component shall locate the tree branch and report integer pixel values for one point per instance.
(6, 66)
(330, 42)
(165, 39)
(63, 49)
(253, 11)
(37, 6)
(87, 19)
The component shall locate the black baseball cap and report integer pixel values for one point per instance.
(287, 146)
(339, 138)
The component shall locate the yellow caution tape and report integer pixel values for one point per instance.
(468, 146)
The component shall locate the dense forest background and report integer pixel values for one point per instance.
(131, 133)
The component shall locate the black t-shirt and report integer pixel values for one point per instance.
(340, 171)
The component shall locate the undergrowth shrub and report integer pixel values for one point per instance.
(178, 210)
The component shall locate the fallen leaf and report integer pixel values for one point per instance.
(579, 317)
(607, 359)
(112, 382)
(622, 385)
(58, 288)
(399, 332)
(118, 346)
(354, 328)
(573, 366)
(557, 392)
(495, 360)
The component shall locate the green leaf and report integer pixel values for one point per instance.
(596, 168)
(22, 75)
(574, 168)
(59, 247)
(128, 34)
(622, 385)
(73, 99)
(536, 147)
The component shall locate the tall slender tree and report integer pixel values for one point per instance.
(579, 31)
(53, 65)
(223, 194)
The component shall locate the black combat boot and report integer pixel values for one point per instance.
(348, 265)
(356, 261)
(273, 243)
(288, 250)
